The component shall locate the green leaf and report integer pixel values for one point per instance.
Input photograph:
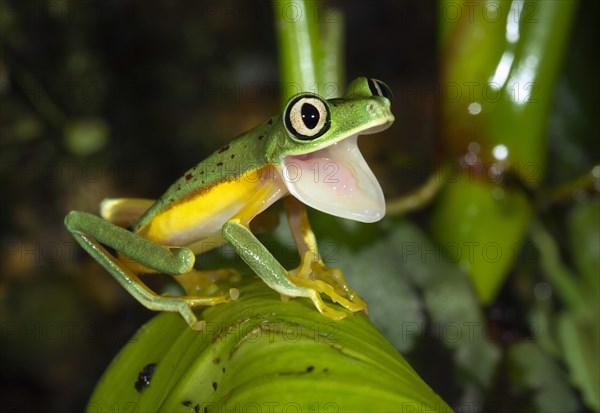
(584, 243)
(578, 331)
(480, 226)
(534, 370)
(394, 305)
(579, 341)
(456, 317)
(258, 352)
(86, 136)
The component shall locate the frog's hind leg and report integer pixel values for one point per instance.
(91, 232)
(312, 272)
(124, 211)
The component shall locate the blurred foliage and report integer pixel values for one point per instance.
(504, 63)
(103, 99)
(480, 226)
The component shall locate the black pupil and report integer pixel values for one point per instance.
(310, 115)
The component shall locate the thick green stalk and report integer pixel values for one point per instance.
(332, 65)
(503, 67)
(299, 49)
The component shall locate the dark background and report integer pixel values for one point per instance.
(117, 98)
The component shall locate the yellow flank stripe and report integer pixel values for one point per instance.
(201, 207)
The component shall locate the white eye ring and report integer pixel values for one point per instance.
(307, 117)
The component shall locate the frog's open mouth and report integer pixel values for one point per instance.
(337, 180)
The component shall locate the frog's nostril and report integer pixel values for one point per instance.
(370, 107)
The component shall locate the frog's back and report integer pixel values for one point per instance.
(200, 200)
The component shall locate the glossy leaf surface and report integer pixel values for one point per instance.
(260, 351)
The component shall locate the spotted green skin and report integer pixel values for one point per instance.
(266, 145)
(269, 142)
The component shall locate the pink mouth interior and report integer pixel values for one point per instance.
(336, 180)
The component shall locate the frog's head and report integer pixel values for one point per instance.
(318, 157)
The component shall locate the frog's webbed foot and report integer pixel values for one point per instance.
(210, 283)
(314, 274)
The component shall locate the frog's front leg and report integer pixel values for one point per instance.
(237, 232)
(313, 272)
(266, 266)
(91, 232)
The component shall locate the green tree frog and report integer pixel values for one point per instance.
(308, 155)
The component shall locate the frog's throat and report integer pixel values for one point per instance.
(335, 180)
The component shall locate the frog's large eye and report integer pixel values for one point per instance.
(307, 117)
(378, 88)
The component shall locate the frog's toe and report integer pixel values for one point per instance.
(206, 301)
(324, 308)
(333, 314)
(340, 288)
(319, 286)
(186, 311)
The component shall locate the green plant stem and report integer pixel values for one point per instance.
(418, 198)
(332, 57)
(565, 192)
(301, 53)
